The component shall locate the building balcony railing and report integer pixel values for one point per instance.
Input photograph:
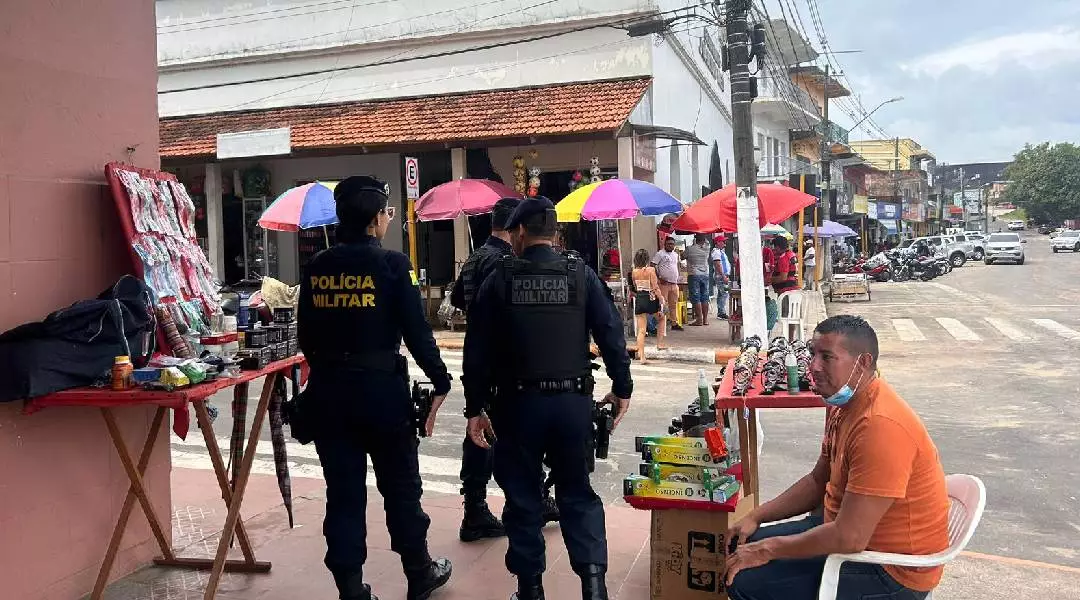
(779, 167)
(831, 133)
(779, 92)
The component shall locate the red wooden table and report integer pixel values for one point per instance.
(749, 405)
(197, 395)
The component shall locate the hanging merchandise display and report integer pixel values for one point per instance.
(534, 182)
(594, 170)
(158, 217)
(519, 175)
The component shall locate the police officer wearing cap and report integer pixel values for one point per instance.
(357, 303)
(476, 464)
(528, 340)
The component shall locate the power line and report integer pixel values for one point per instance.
(779, 74)
(285, 43)
(264, 12)
(402, 53)
(614, 24)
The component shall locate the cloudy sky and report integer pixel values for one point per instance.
(979, 77)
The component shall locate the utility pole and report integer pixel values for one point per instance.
(749, 229)
(826, 179)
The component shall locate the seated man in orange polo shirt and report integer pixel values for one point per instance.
(879, 475)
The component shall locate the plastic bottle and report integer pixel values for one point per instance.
(703, 391)
(122, 370)
(792, 373)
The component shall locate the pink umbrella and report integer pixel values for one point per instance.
(461, 197)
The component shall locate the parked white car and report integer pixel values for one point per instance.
(1004, 246)
(1016, 225)
(1066, 240)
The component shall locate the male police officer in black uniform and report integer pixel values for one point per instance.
(476, 465)
(357, 302)
(528, 338)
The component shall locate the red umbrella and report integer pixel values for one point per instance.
(461, 197)
(717, 211)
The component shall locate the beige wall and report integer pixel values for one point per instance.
(78, 91)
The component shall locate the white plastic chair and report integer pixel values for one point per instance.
(968, 498)
(791, 314)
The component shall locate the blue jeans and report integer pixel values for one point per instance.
(800, 579)
(698, 289)
(722, 296)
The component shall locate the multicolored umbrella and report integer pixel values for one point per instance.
(302, 207)
(831, 229)
(771, 229)
(461, 197)
(718, 212)
(615, 199)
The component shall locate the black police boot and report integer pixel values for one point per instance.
(479, 523)
(593, 582)
(425, 580)
(550, 508)
(529, 588)
(351, 586)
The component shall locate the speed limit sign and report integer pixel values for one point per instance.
(412, 177)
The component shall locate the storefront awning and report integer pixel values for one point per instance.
(554, 110)
(666, 133)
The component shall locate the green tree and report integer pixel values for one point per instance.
(1045, 181)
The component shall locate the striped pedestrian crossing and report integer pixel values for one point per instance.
(973, 329)
(652, 373)
(958, 330)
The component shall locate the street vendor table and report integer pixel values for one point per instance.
(748, 405)
(108, 400)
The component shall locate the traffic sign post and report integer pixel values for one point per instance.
(412, 188)
(412, 177)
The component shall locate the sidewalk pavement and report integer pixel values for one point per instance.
(479, 573)
(709, 344)
(297, 554)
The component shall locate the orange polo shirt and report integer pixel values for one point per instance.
(877, 446)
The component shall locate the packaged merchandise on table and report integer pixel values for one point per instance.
(668, 440)
(663, 472)
(719, 491)
(680, 455)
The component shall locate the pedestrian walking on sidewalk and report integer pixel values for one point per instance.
(697, 265)
(647, 302)
(666, 262)
(357, 303)
(722, 276)
(527, 356)
(809, 262)
(476, 462)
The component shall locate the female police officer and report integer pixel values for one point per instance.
(357, 302)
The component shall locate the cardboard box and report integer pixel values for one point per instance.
(688, 552)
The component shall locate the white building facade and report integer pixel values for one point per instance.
(358, 85)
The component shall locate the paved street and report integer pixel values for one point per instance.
(987, 355)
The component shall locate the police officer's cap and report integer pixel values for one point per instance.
(501, 212)
(529, 208)
(361, 184)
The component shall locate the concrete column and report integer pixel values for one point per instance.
(461, 224)
(626, 226)
(214, 219)
(695, 174)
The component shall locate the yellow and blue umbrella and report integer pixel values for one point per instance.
(615, 199)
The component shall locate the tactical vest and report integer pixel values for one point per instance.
(544, 326)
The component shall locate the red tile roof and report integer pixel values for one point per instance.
(574, 108)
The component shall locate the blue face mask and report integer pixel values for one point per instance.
(845, 394)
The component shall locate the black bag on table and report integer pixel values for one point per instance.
(75, 346)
